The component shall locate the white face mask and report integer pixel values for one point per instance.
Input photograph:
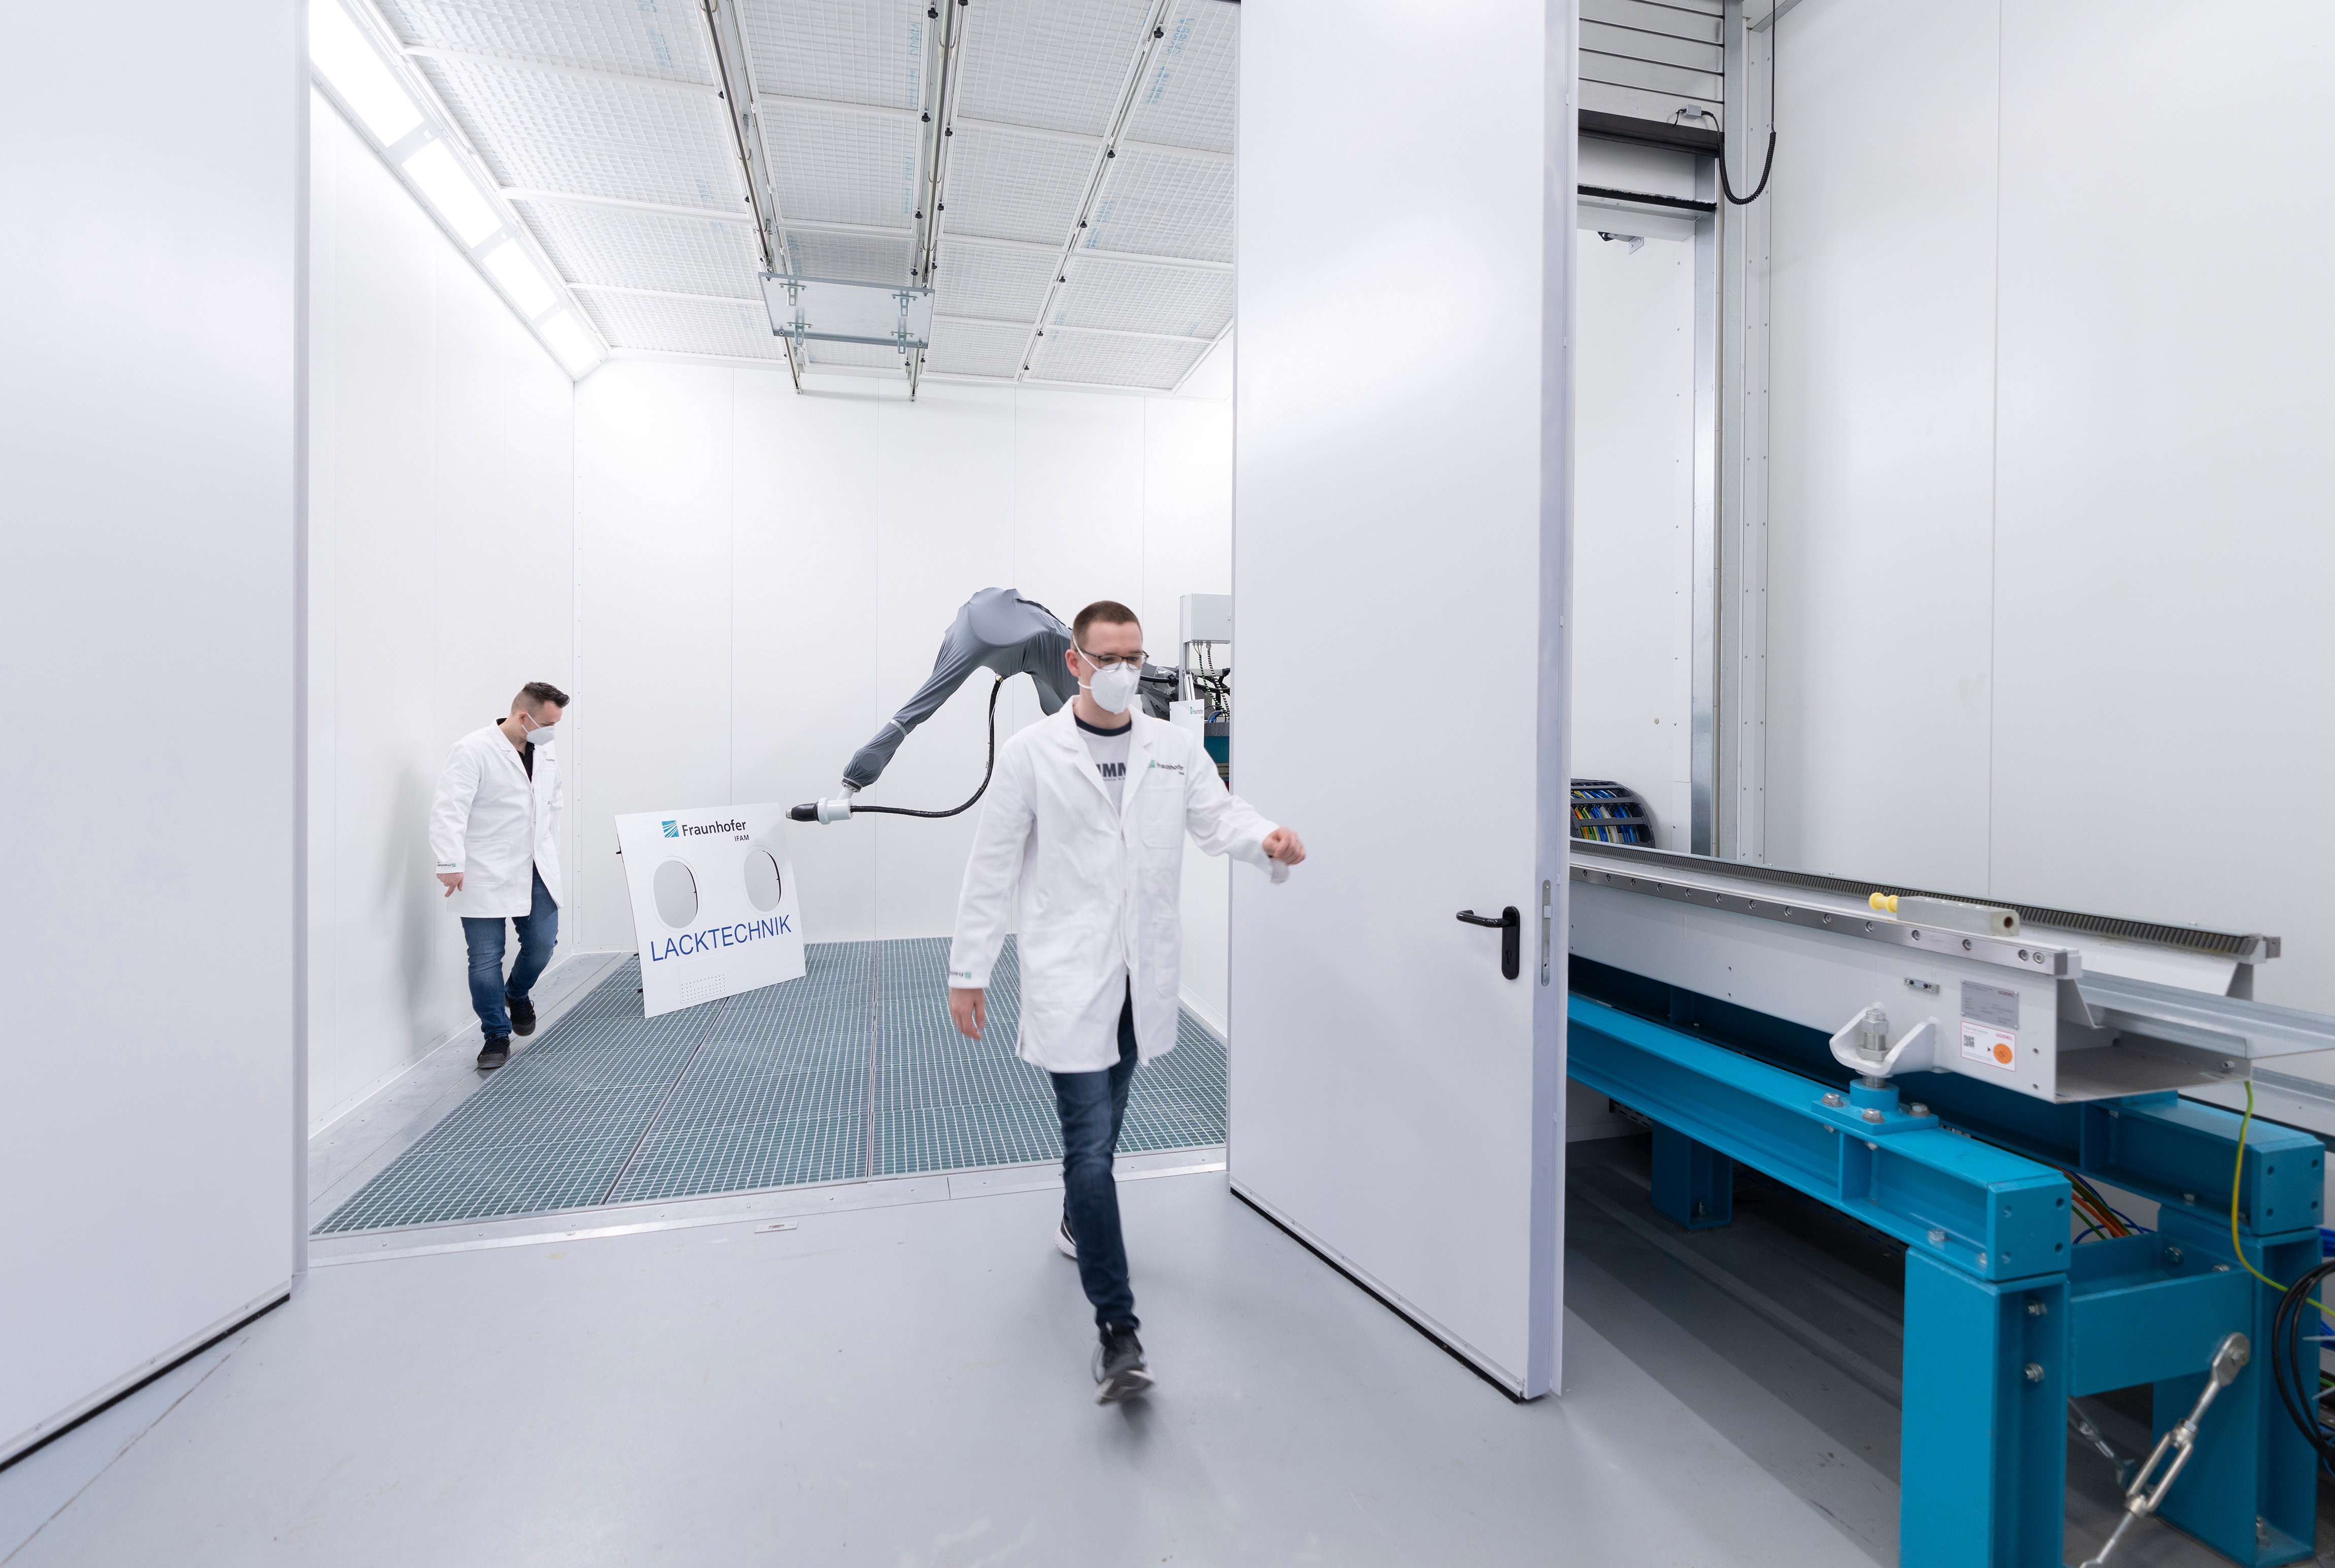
(1113, 689)
(543, 734)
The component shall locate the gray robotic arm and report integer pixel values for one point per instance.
(996, 630)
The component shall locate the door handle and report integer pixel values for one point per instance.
(1510, 925)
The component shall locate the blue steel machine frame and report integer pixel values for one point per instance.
(2006, 1318)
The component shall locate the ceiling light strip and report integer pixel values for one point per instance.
(1153, 29)
(566, 322)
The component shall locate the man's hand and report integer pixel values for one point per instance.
(453, 880)
(1284, 846)
(969, 1010)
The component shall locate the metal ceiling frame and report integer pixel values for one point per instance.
(727, 58)
(1153, 29)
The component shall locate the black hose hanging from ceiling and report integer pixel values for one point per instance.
(1767, 168)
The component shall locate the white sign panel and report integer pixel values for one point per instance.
(714, 903)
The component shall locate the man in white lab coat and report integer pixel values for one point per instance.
(494, 832)
(1087, 816)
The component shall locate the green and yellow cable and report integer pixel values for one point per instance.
(2237, 1174)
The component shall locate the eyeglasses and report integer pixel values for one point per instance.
(1106, 661)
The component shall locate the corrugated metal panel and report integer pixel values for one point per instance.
(1647, 60)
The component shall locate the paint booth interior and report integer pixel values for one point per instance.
(1787, 621)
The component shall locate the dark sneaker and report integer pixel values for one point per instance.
(1065, 1242)
(1118, 1367)
(494, 1053)
(522, 1013)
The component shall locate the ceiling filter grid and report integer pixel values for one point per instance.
(1004, 185)
(1055, 63)
(834, 166)
(1188, 301)
(977, 348)
(633, 249)
(848, 51)
(578, 107)
(616, 36)
(718, 327)
(1186, 97)
(991, 282)
(1158, 203)
(1070, 355)
(645, 141)
(854, 258)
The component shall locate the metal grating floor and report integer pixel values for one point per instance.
(850, 1072)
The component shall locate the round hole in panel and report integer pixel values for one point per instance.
(761, 879)
(675, 887)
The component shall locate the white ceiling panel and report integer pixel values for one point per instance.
(1055, 63)
(1095, 357)
(988, 280)
(683, 326)
(1132, 297)
(1008, 187)
(854, 258)
(832, 166)
(1186, 97)
(976, 348)
(642, 142)
(626, 36)
(629, 249)
(846, 51)
(1156, 203)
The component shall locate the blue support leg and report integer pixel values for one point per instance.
(1694, 1183)
(2250, 1489)
(1984, 1456)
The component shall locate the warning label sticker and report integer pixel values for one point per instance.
(1995, 1047)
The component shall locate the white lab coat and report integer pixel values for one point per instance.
(1100, 891)
(495, 825)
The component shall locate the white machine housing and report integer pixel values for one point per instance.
(2063, 1011)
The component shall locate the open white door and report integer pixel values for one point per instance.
(1402, 497)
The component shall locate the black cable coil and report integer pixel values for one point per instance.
(2294, 1362)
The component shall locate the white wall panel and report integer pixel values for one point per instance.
(1881, 415)
(849, 524)
(149, 909)
(946, 527)
(1633, 525)
(2164, 724)
(655, 466)
(2048, 528)
(441, 573)
(811, 483)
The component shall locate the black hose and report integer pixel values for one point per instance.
(901, 810)
(2289, 1356)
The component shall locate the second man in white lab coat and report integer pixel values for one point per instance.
(1087, 817)
(494, 832)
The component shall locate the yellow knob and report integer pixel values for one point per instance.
(1887, 903)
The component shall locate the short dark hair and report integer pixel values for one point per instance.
(1110, 612)
(536, 693)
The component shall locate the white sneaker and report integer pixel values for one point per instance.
(1065, 1242)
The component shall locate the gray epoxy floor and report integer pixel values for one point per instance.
(907, 1386)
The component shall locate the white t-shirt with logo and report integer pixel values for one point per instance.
(1108, 749)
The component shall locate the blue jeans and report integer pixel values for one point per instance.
(1092, 1105)
(490, 994)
